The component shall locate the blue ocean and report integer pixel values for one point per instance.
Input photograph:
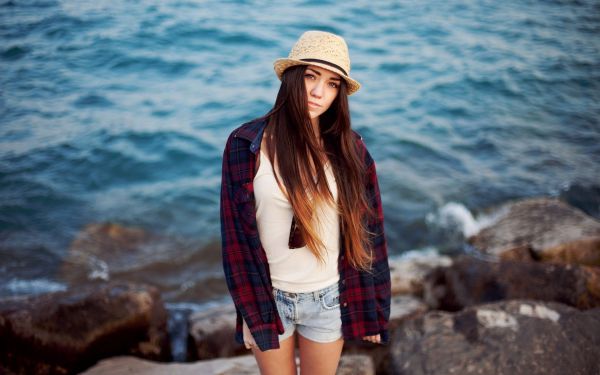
(116, 112)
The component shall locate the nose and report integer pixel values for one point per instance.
(317, 89)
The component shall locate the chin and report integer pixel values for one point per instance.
(313, 115)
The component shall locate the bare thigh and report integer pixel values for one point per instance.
(277, 361)
(319, 358)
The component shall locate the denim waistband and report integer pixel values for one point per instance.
(317, 294)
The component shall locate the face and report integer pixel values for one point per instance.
(322, 87)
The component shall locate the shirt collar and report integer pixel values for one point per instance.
(253, 132)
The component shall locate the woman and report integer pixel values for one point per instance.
(304, 251)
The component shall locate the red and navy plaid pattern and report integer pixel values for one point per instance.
(364, 296)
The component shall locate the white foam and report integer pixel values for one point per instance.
(454, 214)
(35, 286)
(425, 252)
(99, 269)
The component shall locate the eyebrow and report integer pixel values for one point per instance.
(319, 73)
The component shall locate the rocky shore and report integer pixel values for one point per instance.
(525, 299)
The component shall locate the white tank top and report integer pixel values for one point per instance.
(294, 270)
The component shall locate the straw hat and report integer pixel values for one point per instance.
(323, 49)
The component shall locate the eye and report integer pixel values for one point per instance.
(309, 76)
(335, 85)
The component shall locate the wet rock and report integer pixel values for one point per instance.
(111, 252)
(507, 337)
(242, 365)
(409, 270)
(469, 281)
(541, 223)
(66, 332)
(101, 249)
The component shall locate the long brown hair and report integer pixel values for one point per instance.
(292, 144)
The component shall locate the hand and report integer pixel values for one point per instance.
(375, 339)
(248, 339)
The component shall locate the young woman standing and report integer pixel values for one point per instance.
(304, 250)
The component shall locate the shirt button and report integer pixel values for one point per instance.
(345, 304)
(343, 282)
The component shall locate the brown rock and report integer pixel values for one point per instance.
(584, 251)
(508, 337)
(522, 253)
(66, 332)
(471, 281)
(101, 249)
(111, 252)
(541, 223)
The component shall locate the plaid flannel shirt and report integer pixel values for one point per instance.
(364, 296)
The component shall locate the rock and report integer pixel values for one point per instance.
(524, 253)
(403, 308)
(243, 365)
(471, 281)
(355, 364)
(409, 270)
(507, 337)
(66, 332)
(103, 249)
(541, 223)
(582, 251)
(211, 333)
(111, 252)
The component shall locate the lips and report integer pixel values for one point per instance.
(313, 104)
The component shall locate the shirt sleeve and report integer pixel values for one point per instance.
(380, 269)
(239, 264)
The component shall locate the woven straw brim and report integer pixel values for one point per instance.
(280, 65)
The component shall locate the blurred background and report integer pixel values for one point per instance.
(114, 115)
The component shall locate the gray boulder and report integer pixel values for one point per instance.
(541, 223)
(508, 337)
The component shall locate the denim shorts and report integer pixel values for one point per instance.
(316, 315)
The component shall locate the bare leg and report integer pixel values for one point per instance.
(319, 358)
(277, 361)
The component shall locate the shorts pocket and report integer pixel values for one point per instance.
(331, 300)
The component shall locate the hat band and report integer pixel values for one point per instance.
(326, 63)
